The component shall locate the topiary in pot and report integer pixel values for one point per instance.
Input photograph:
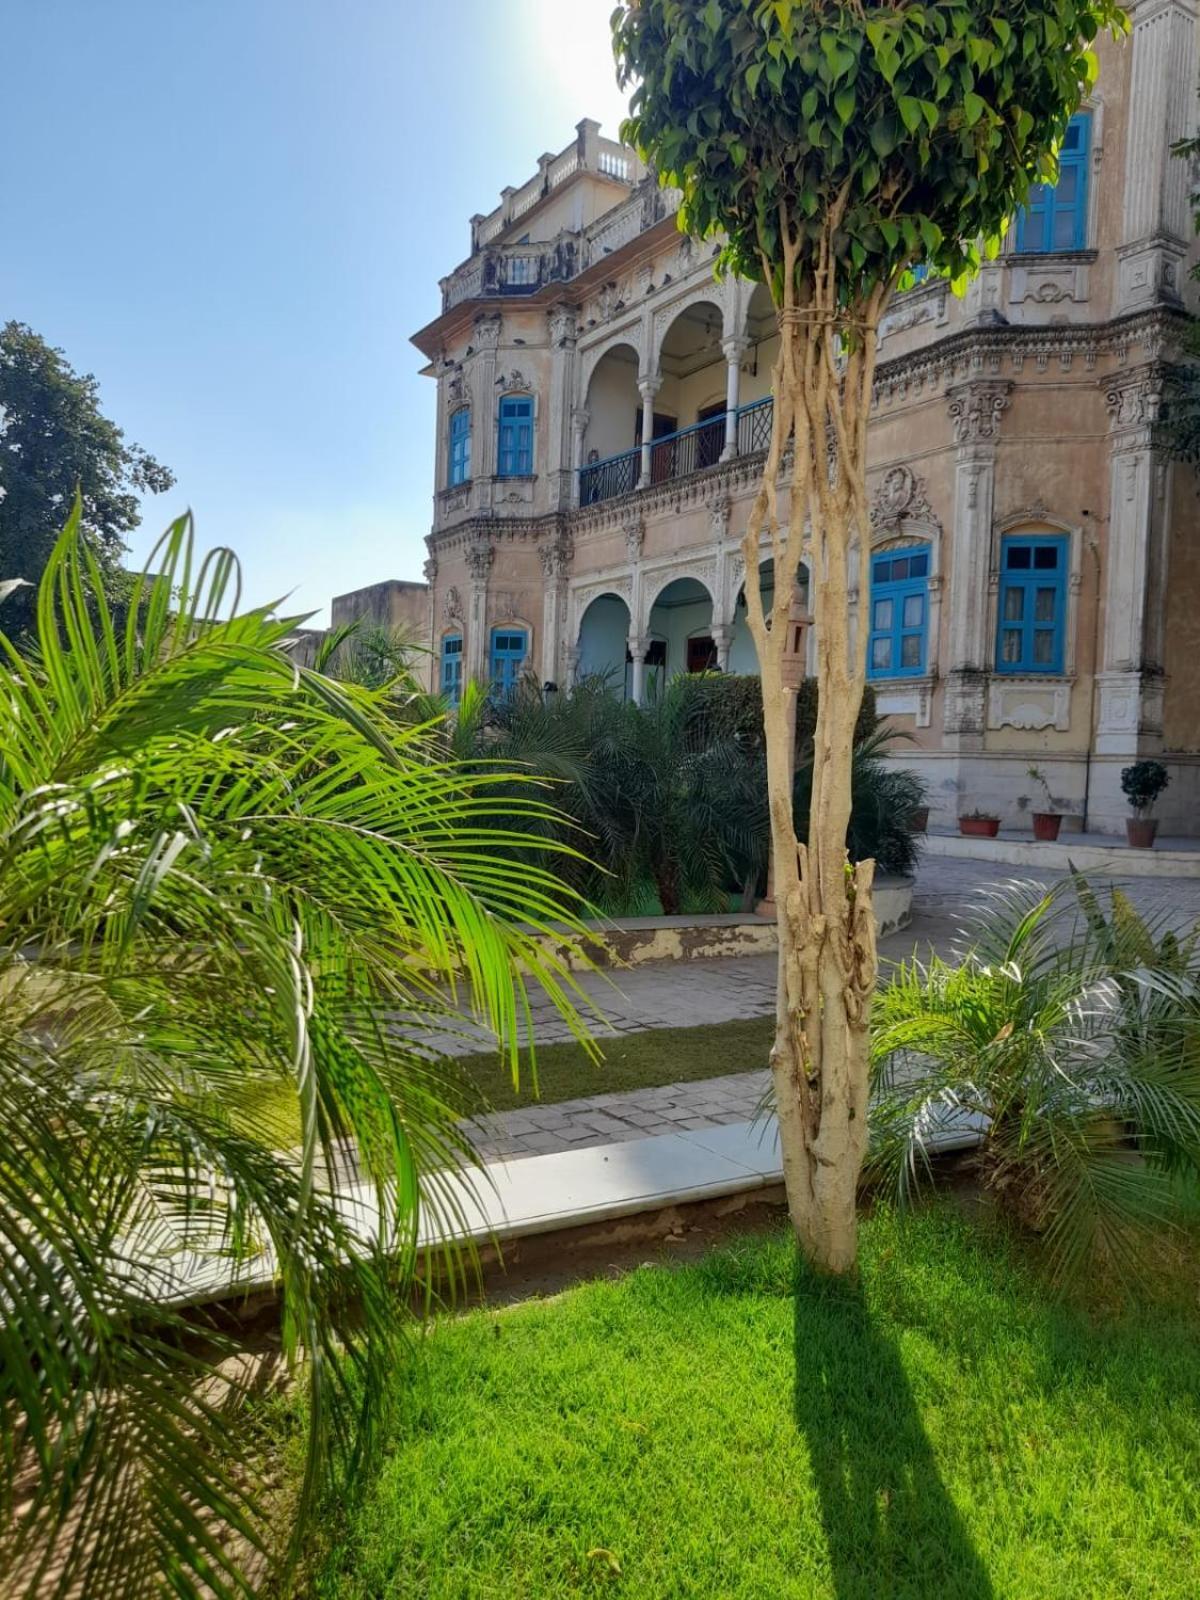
(1142, 784)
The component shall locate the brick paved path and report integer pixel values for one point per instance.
(673, 994)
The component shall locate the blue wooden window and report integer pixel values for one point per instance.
(509, 649)
(460, 446)
(516, 437)
(452, 664)
(1031, 627)
(1056, 216)
(899, 612)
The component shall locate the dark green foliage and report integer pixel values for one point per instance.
(921, 126)
(885, 797)
(1070, 1031)
(54, 439)
(1142, 784)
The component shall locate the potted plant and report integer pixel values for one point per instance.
(1142, 784)
(918, 819)
(1045, 823)
(979, 825)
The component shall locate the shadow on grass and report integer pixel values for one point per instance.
(891, 1526)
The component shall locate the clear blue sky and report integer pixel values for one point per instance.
(235, 213)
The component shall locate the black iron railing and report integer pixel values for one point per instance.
(604, 480)
(754, 426)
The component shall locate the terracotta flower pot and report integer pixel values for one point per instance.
(979, 827)
(1141, 831)
(1046, 825)
(918, 819)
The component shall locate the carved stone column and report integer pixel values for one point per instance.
(480, 556)
(734, 349)
(637, 646)
(1131, 682)
(579, 424)
(556, 562)
(430, 571)
(561, 323)
(647, 388)
(1156, 221)
(975, 412)
(483, 413)
(722, 637)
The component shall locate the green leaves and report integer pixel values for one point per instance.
(942, 113)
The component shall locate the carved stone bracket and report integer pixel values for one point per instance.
(634, 530)
(555, 557)
(900, 495)
(452, 610)
(976, 408)
(479, 558)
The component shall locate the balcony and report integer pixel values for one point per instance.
(677, 455)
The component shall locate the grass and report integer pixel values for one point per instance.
(945, 1430)
(564, 1071)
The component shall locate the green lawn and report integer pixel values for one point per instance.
(701, 1433)
(565, 1072)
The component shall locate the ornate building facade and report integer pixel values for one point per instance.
(1032, 582)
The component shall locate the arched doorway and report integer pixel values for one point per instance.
(611, 459)
(604, 642)
(689, 409)
(680, 637)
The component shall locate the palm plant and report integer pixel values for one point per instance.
(1069, 1035)
(884, 798)
(222, 877)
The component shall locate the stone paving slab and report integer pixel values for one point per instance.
(691, 994)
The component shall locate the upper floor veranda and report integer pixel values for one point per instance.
(586, 352)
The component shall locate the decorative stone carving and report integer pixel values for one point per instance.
(479, 558)
(515, 380)
(718, 520)
(555, 557)
(901, 494)
(458, 392)
(1029, 704)
(1133, 401)
(452, 610)
(430, 570)
(487, 331)
(456, 499)
(562, 324)
(975, 411)
(635, 537)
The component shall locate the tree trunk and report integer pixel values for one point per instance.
(827, 955)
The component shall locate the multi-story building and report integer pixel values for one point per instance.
(1032, 586)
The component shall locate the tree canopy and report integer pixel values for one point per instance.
(919, 127)
(55, 439)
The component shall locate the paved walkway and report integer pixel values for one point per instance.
(673, 994)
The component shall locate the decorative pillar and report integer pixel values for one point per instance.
(647, 388)
(975, 412)
(722, 636)
(483, 411)
(556, 561)
(637, 647)
(480, 556)
(579, 425)
(561, 325)
(430, 571)
(734, 349)
(635, 537)
(1131, 682)
(1156, 220)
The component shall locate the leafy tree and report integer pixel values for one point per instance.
(1180, 426)
(226, 883)
(54, 439)
(835, 144)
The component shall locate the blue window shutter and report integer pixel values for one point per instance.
(1056, 217)
(897, 645)
(452, 667)
(510, 646)
(514, 458)
(460, 447)
(1031, 626)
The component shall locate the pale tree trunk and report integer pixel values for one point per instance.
(827, 956)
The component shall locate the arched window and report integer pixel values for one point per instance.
(1032, 626)
(1056, 216)
(510, 646)
(897, 647)
(460, 447)
(514, 458)
(452, 664)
